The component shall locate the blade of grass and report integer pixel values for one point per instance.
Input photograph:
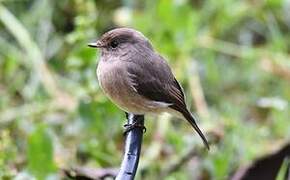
(283, 169)
(24, 39)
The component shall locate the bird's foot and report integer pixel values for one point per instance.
(130, 127)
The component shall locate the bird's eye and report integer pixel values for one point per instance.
(114, 44)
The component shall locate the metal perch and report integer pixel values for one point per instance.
(134, 134)
(132, 151)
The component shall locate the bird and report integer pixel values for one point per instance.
(137, 79)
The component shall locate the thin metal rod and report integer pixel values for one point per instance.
(133, 143)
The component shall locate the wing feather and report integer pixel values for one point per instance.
(154, 80)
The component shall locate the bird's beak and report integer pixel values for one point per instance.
(97, 44)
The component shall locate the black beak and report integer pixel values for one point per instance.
(97, 44)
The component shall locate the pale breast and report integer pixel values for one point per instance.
(112, 79)
(115, 82)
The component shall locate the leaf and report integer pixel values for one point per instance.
(283, 170)
(40, 153)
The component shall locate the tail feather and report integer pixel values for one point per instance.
(192, 121)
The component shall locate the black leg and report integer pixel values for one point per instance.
(138, 123)
(127, 115)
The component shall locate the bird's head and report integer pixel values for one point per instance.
(121, 40)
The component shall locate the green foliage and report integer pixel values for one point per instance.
(283, 170)
(231, 57)
(7, 150)
(40, 153)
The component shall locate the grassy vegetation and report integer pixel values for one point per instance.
(231, 57)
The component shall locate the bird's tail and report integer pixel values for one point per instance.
(188, 116)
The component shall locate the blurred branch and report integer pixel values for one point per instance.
(176, 164)
(27, 110)
(223, 46)
(236, 50)
(276, 68)
(197, 92)
(90, 173)
(270, 61)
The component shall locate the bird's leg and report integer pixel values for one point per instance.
(128, 127)
(127, 115)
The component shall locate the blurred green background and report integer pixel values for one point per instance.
(232, 58)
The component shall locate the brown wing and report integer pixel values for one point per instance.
(152, 78)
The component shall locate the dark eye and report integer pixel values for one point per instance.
(114, 44)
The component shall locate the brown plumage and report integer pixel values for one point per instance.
(137, 79)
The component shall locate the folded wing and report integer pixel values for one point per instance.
(153, 79)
